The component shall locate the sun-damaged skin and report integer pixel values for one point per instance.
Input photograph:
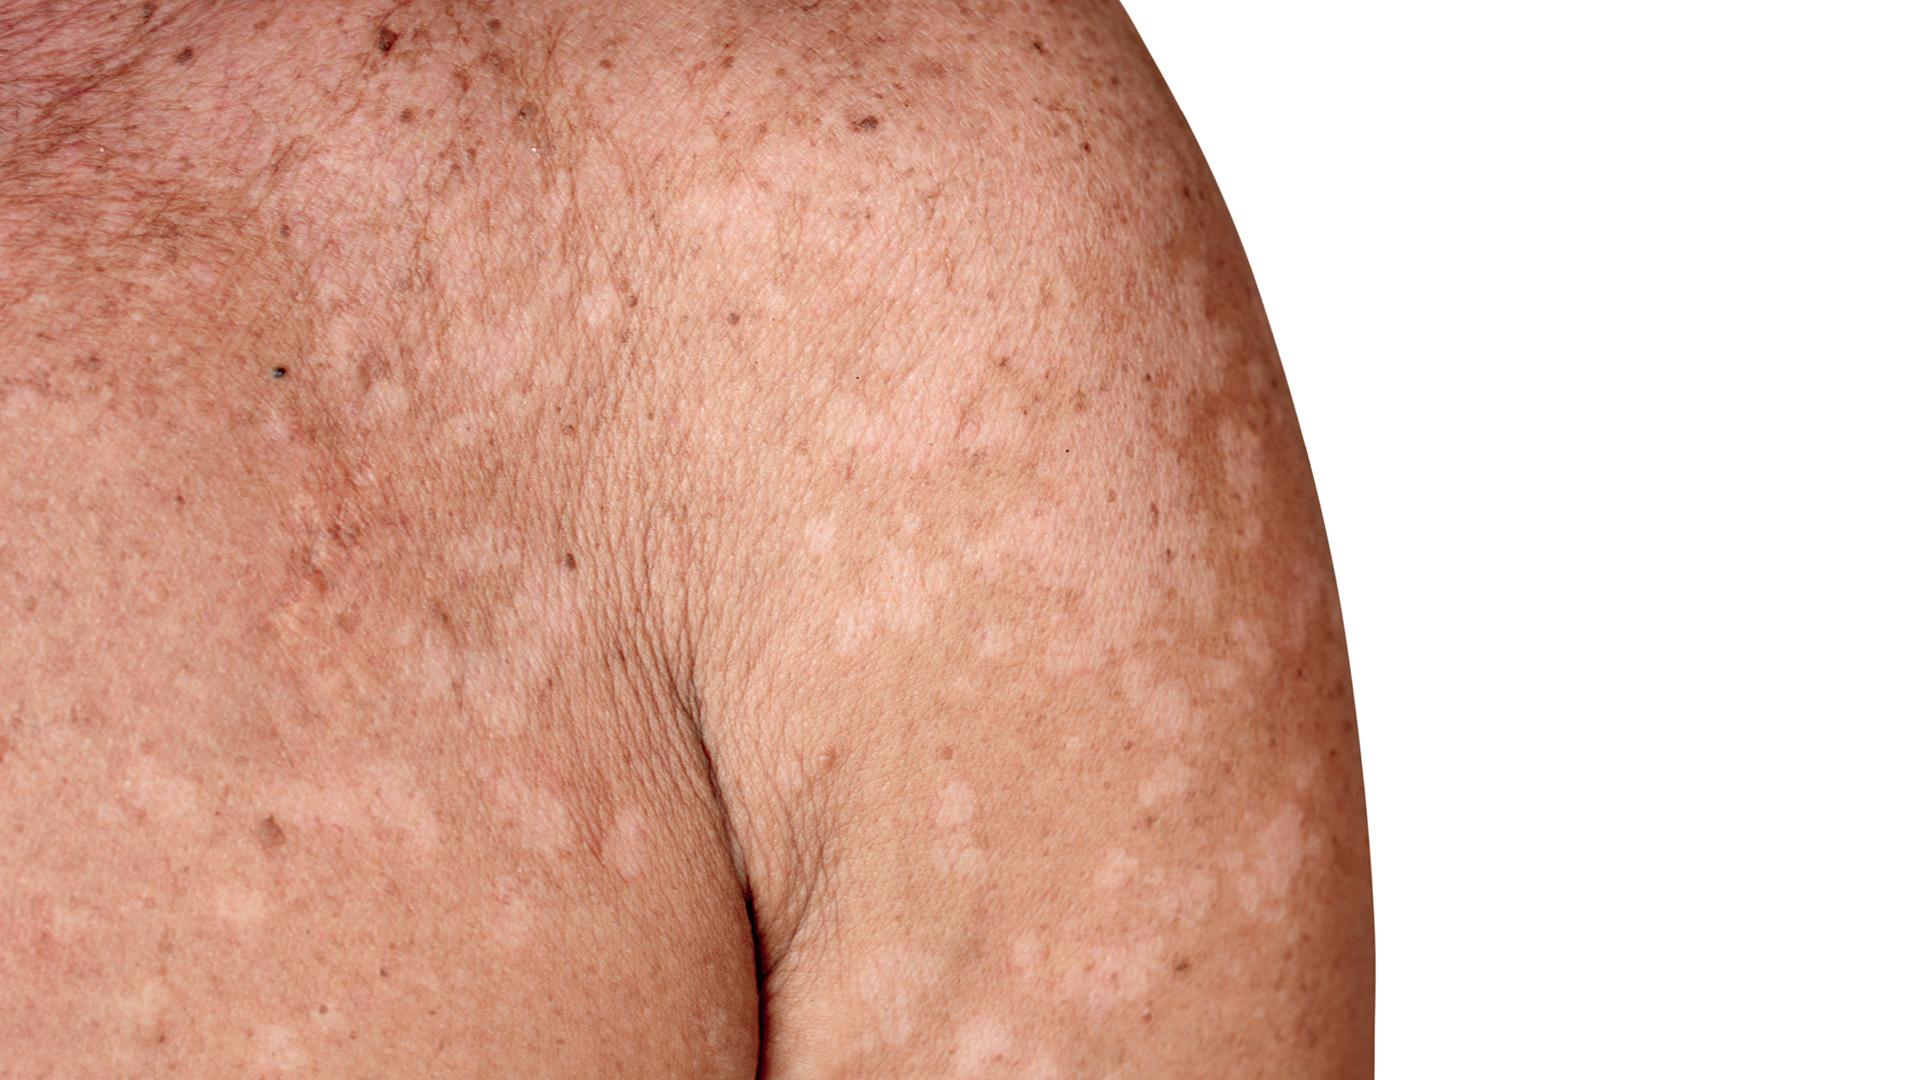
(672, 538)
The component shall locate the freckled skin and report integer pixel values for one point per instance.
(486, 488)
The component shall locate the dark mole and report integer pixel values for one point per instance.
(733, 318)
(279, 373)
(406, 115)
(866, 123)
(269, 833)
(385, 39)
(1039, 46)
(184, 56)
(569, 561)
(1086, 148)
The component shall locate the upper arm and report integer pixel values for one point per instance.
(1023, 672)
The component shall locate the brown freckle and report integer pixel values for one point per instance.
(269, 833)
(569, 561)
(733, 318)
(286, 229)
(1126, 744)
(526, 111)
(1086, 148)
(184, 56)
(383, 973)
(606, 65)
(945, 753)
(1181, 963)
(493, 24)
(385, 39)
(866, 123)
(322, 1010)
(147, 9)
(1112, 495)
(1039, 46)
(406, 115)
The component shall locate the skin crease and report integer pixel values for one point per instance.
(490, 490)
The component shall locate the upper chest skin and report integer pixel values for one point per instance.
(339, 565)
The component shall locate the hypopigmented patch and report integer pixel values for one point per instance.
(626, 844)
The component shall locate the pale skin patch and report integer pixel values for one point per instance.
(278, 1050)
(890, 984)
(626, 844)
(1167, 708)
(982, 1047)
(955, 806)
(155, 790)
(957, 852)
(900, 598)
(240, 906)
(818, 534)
(1265, 873)
(1242, 451)
(993, 641)
(1171, 779)
(538, 817)
(386, 796)
(512, 915)
(1116, 871)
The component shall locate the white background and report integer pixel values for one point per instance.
(1603, 324)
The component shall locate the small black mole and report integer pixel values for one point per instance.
(385, 39)
(279, 373)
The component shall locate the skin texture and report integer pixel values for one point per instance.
(652, 539)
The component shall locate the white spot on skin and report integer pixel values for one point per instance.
(1266, 875)
(1171, 779)
(386, 402)
(956, 805)
(398, 802)
(983, 1043)
(144, 1007)
(1168, 708)
(1240, 447)
(994, 640)
(1027, 954)
(539, 817)
(961, 857)
(890, 984)
(819, 533)
(1116, 871)
(899, 598)
(156, 791)
(512, 914)
(242, 906)
(1111, 973)
(626, 845)
(277, 1050)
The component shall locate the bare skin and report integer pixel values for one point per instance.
(676, 538)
